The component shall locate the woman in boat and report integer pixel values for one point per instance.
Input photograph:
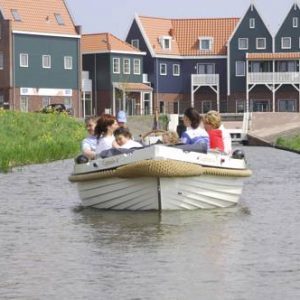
(124, 139)
(88, 145)
(194, 134)
(105, 127)
(170, 138)
(212, 123)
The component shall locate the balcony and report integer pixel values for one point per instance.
(205, 79)
(273, 78)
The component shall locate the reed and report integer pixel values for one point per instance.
(29, 138)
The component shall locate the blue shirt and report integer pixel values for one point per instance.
(195, 136)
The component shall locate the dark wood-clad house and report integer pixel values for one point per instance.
(115, 69)
(186, 60)
(39, 55)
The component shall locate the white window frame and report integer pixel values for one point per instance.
(126, 65)
(46, 64)
(68, 62)
(262, 39)
(135, 43)
(24, 56)
(211, 41)
(1, 61)
(243, 74)
(161, 66)
(136, 66)
(287, 39)
(295, 22)
(252, 23)
(176, 72)
(166, 45)
(247, 43)
(116, 65)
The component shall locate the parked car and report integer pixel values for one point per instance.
(56, 107)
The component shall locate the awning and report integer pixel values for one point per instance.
(273, 56)
(132, 86)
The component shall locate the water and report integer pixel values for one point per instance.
(52, 249)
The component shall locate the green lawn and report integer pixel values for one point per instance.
(28, 138)
(292, 143)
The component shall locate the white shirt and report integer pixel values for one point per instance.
(131, 144)
(226, 139)
(104, 143)
(89, 143)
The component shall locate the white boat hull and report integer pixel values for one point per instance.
(151, 193)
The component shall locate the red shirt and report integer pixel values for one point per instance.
(216, 139)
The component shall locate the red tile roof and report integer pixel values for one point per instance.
(186, 33)
(133, 86)
(104, 42)
(39, 16)
(273, 56)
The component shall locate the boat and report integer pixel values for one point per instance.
(160, 177)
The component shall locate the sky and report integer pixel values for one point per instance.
(116, 16)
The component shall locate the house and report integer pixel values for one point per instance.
(39, 55)
(115, 69)
(186, 60)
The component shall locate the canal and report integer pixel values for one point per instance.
(52, 249)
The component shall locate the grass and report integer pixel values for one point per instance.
(29, 138)
(292, 143)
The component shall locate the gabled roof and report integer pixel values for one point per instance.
(38, 16)
(185, 34)
(105, 42)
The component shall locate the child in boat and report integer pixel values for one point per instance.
(124, 139)
(170, 138)
(88, 145)
(212, 123)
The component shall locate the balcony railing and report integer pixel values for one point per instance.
(205, 79)
(273, 77)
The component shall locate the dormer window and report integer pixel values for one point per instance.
(165, 42)
(59, 19)
(16, 15)
(206, 43)
(252, 23)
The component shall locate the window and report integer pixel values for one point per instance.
(68, 62)
(176, 107)
(1, 61)
(24, 60)
(240, 106)
(68, 103)
(176, 70)
(24, 103)
(162, 107)
(165, 42)
(206, 106)
(46, 61)
(295, 22)
(46, 101)
(260, 43)
(59, 19)
(135, 43)
(16, 15)
(252, 23)
(205, 44)
(239, 68)
(285, 43)
(205, 68)
(137, 66)
(163, 69)
(1, 100)
(126, 66)
(243, 43)
(116, 65)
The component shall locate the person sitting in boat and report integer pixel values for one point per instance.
(88, 145)
(212, 123)
(105, 127)
(124, 139)
(194, 134)
(170, 138)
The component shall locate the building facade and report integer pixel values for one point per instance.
(39, 56)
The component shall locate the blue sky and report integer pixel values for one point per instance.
(115, 16)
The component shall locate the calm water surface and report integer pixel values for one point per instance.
(52, 249)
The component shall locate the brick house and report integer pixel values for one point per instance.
(39, 55)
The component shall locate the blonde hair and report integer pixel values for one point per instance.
(170, 137)
(213, 118)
